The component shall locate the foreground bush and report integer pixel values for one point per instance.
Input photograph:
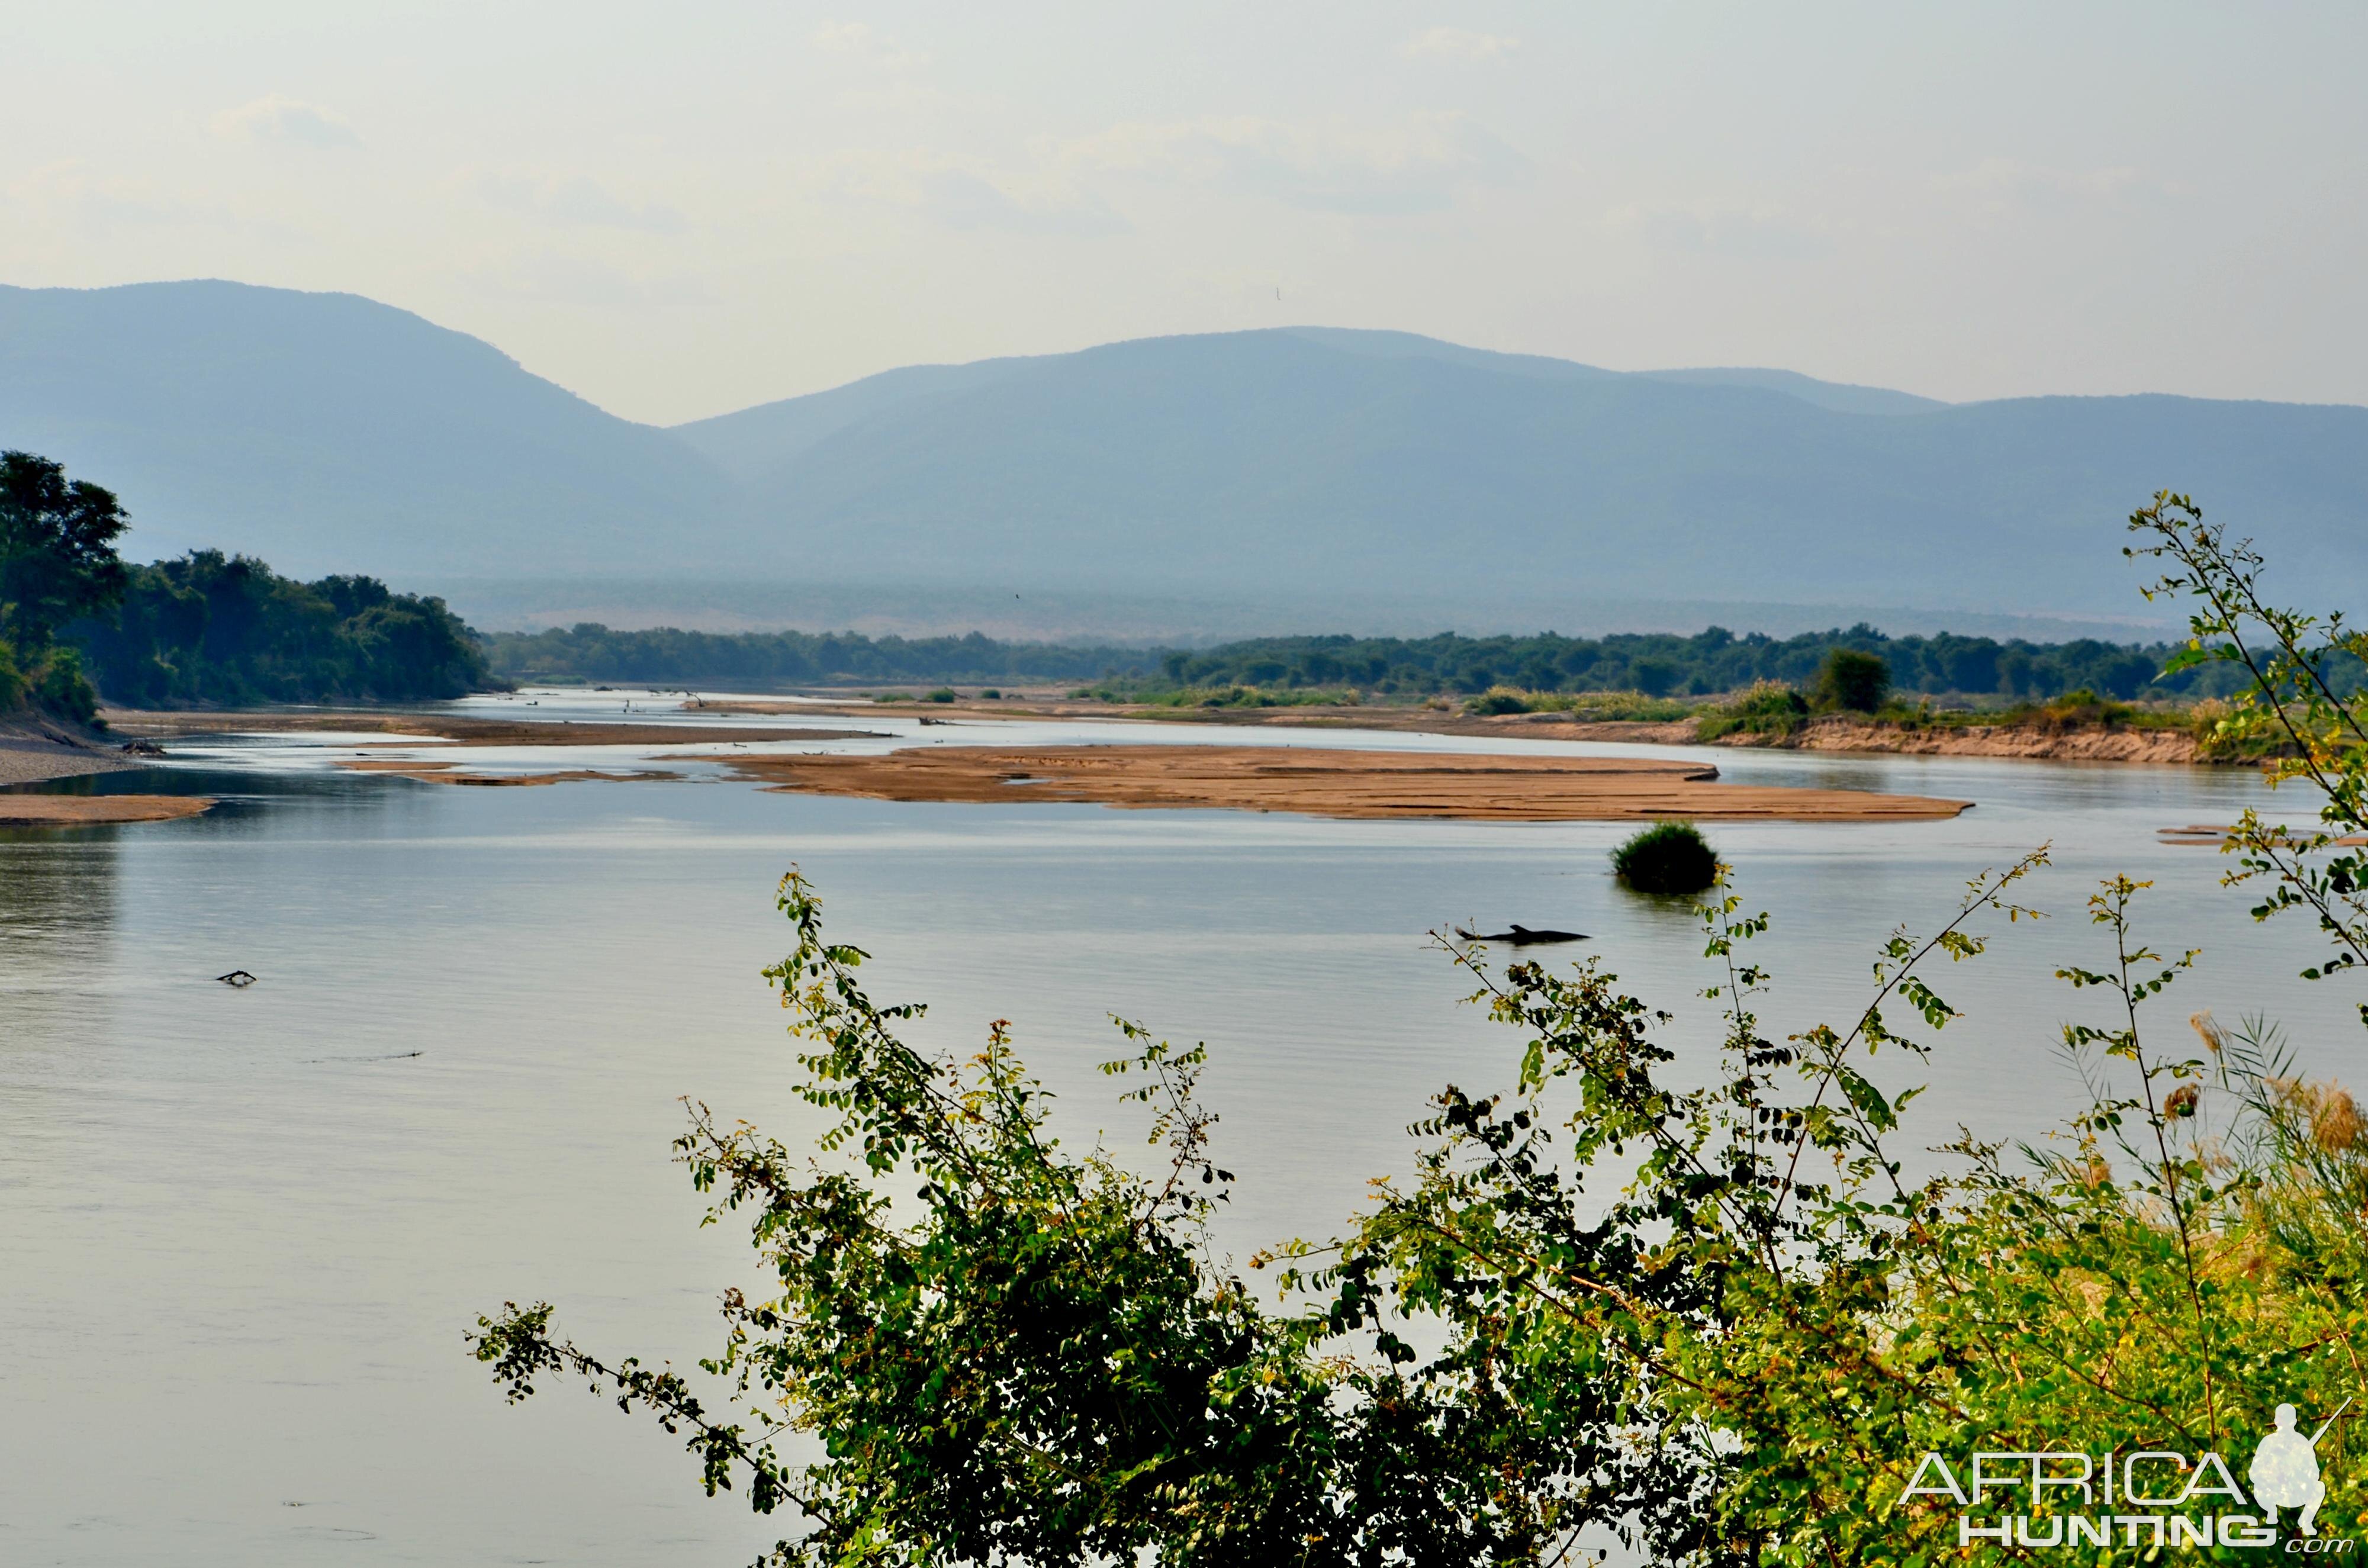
(1709, 1314)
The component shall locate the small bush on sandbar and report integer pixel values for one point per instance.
(1669, 857)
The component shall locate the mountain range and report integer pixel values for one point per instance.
(1317, 472)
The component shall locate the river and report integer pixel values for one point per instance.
(244, 1229)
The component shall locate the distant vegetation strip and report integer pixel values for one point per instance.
(215, 631)
(590, 652)
(78, 621)
(1660, 667)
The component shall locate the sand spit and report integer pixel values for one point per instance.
(84, 811)
(461, 731)
(1354, 784)
(453, 773)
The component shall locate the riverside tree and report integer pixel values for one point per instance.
(57, 549)
(58, 563)
(1715, 1317)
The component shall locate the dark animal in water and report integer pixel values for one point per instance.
(238, 978)
(1521, 936)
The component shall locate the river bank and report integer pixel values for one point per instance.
(34, 751)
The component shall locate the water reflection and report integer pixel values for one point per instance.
(57, 923)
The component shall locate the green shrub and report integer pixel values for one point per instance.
(1669, 857)
(1655, 677)
(53, 684)
(1765, 707)
(1501, 700)
(991, 694)
(943, 694)
(1852, 681)
(1611, 705)
(59, 688)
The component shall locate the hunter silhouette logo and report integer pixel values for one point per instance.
(2149, 1497)
(2285, 1471)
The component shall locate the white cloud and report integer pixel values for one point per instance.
(573, 200)
(1416, 164)
(1455, 43)
(276, 119)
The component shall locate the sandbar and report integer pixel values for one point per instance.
(1309, 782)
(452, 773)
(82, 811)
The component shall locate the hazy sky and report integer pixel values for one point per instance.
(681, 210)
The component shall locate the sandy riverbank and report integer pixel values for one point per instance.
(1311, 782)
(35, 753)
(1987, 740)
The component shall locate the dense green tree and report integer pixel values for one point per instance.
(1851, 680)
(58, 561)
(57, 549)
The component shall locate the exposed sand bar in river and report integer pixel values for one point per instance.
(1312, 782)
(82, 811)
(452, 773)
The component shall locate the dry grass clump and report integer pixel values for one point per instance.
(2329, 1111)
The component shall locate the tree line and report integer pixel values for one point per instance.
(76, 620)
(667, 656)
(213, 630)
(1658, 665)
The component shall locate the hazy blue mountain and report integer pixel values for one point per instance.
(1353, 463)
(1840, 396)
(751, 443)
(1305, 472)
(326, 432)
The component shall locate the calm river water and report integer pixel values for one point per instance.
(241, 1231)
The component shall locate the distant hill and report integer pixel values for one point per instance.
(1366, 462)
(326, 432)
(1314, 471)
